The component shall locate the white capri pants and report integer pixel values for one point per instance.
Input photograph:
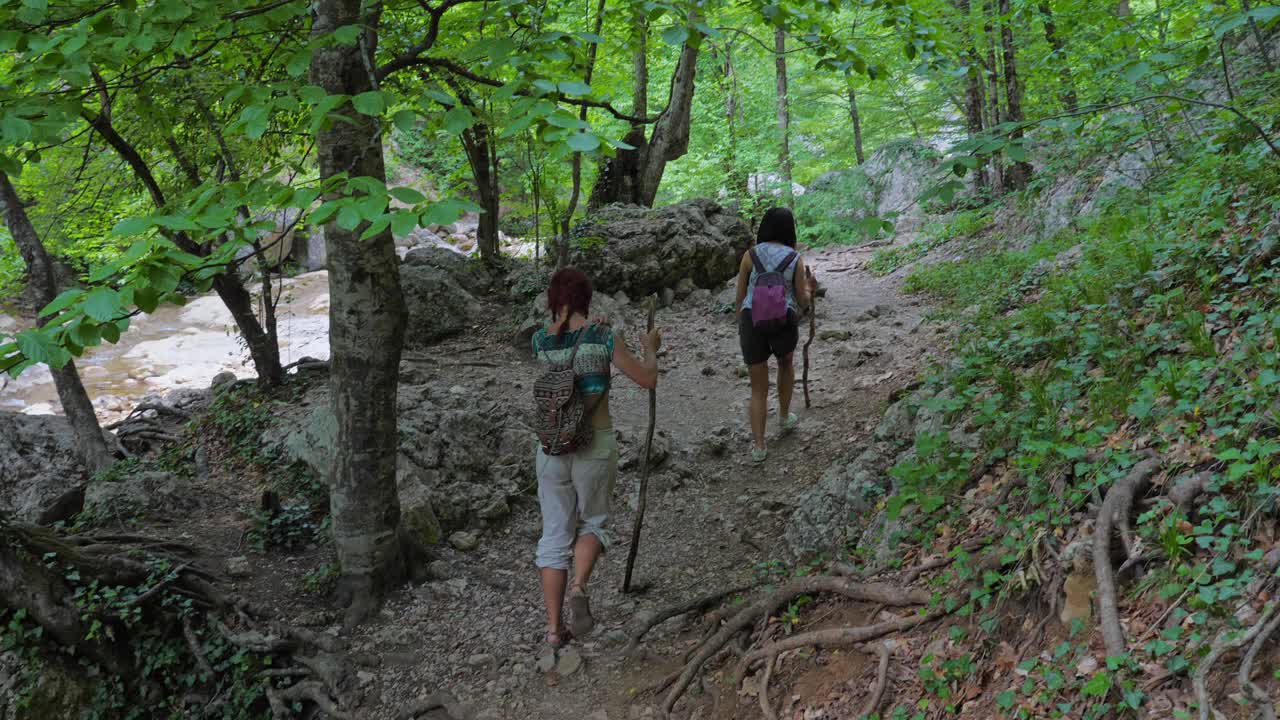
(574, 492)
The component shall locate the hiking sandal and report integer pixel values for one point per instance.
(758, 456)
(790, 422)
(557, 640)
(580, 620)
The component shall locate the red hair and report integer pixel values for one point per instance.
(572, 288)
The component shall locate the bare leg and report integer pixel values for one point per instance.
(553, 581)
(786, 383)
(759, 408)
(585, 552)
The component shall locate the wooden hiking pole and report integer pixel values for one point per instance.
(644, 470)
(813, 322)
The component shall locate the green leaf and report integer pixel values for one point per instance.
(349, 217)
(147, 299)
(14, 129)
(369, 103)
(405, 120)
(132, 226)
(62, 302)
(325, 211)
(1017, 153)
(1005, 700)
(675, 35)
(110, 333)
(102, 304)
(458, 118)
(39, 347)
(1098, 686)
(407, 195)
(347, 34)
(575, 88)
(583, 142)
(403, 223)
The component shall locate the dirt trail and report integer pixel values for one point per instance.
(713, 522)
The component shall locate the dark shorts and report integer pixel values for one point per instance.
(758, 346)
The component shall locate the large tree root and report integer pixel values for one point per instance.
(769, 604)
(1219, 648)
(1119, 498)
(1266, 706)
(700, 604)
(882, 682)
(152, 590)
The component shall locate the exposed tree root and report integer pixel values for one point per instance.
(700, 604)
(1266, 706)
(1120, 496)
(42, 572)
(765, 704)
(771, 603)
(882, 681)
(1219, 648)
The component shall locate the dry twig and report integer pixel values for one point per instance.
(1220, 648)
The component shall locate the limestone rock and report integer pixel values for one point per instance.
(643, 250)
(438, 305)
(238, 567)
(153, 493)
(37, 462)
(464, 541)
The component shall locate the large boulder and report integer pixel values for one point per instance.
(438, 305)
(37, 463)
(462, 459)
(158, 494)
(642, 251)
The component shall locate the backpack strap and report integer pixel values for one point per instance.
(755, 260)
(787, 260)
(582, 332)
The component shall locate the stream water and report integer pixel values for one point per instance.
(178, 347)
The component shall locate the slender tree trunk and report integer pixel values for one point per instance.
(633, 176)
(90, 445)
(994, 116)
(478, 143)
(367, 319)
(855, 119)
(973, 98)
(1020, 172)
(739, 185)
(576, 164)
(1259, 38)
(784, 114)
(263, 347)
(1051, 36)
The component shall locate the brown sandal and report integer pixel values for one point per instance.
(580, 620)
(557, 640)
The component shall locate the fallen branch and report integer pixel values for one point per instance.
(1266, 706)
(771, 603)
(882, 681)
(1120, 495)
(696, 605)
(1220, 648)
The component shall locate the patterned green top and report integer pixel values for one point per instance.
(595, 355)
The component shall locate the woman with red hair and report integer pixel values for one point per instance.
(574, 488)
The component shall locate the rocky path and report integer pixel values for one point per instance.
(713, 521)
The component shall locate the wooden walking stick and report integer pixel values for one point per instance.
(813, 322)
(644, 471)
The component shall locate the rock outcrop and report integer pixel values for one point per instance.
(38, 463)
(439, 306)
(463, 458)
(641, 251)
(887, 185)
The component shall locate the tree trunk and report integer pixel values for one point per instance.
(367, 318)
(562, 258)
(633, 176)
(738, 180)
(784, 114)
(994, 116)
(1068, 90)
(1020, 172)
(482, 154)
(973, 97)
(263, 346)
(90, 445)
(1259, 38)
(856, 120)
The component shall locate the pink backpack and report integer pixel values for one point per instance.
(769, 296)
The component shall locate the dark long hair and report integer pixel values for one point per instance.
(570, 287)
(778, 226)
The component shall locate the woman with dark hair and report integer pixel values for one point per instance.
(769, 305)
(574, 488)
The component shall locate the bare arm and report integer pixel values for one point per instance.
(744, 277)
(804, 284)
(644, 372)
